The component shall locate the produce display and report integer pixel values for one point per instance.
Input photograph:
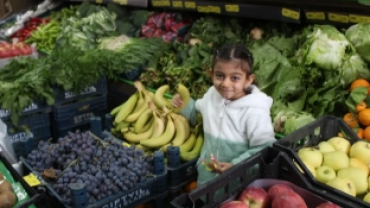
(340, 165)
(30, 26)
(277, 196)
(148, 121)
(104, 166)
(7, 197)
(8, 50)
(45, 35)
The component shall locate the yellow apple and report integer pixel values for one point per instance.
(367, 198)
(340, 144)
(310, 168)
(357, 176)
(325, 173)
(311, 156)
(325, 147)
(361, 151)
(356, 163)
(336, 160)
(343, 184)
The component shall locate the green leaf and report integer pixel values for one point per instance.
(351, 104)
(367, 101)
(359, 94)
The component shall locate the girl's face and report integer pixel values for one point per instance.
(230, 80)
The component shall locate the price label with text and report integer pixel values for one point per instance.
(290, 13)
(177, 4)
(161, 3)
(342, 18)
(99, 1)
(315, 15)
(121, 2)
(232, 8)
(203, 9)
(190, 5)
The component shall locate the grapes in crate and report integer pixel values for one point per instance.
(104, 166)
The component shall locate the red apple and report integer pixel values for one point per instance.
(234, 204)
(254, 197)
(328, 205)
(288, 200)
(277, 190)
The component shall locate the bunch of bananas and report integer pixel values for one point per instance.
(149, 121)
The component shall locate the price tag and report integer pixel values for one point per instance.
(162, 3)
(290, 13)
(338, 18)
(203, 9)
(315, 15)
(214, 9)
(121, 2)
(99, 1)
(232, 8)
(366, 19)
(32, 180)
(177, 4)
(190, 5)
(355, 18)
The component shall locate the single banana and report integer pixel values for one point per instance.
(121, 125)
(159, 98)
(181, 130)
(126, 144)
(143, 120)
(124, 129)
(190, 142)
(136, 138)
(195, 152)
(127, 108)
(141, 93)
(165, 138)
(159, 123)
(134, 116)
(116, 110)
(148, 125)
(184, 95)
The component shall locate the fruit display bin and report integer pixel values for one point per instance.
(181, 174)
(312, 134)
(267, 164)
(99, 88)
(154, 188)
(27, 197)
(76, 114)
(31, 129)
(35, 107)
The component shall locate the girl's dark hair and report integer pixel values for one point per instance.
(229, 52)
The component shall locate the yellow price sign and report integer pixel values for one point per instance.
(162, 3)
(366, 19)
(190, 5)
(359, 18)
(121, 2)
(99, 1)
(290, 13)
(32, 180)
(203, 9)
(177, 4)
(214, 9)
(315, 15)
(338, 18)
(232, 8)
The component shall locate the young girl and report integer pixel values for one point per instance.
(236, 114)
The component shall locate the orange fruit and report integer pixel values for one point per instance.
(190, 186)
(359, 83)
(351, 120)
(364, 117)
(359, 132)
(361, 106)
(367, 133)
(340, 134)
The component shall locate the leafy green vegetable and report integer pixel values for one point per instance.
(358, 35)
(356, 96)
(352, 68)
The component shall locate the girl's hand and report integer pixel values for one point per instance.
(222, 167)
(177, 101)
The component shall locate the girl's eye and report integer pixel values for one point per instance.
(220, 76)
(235, 78)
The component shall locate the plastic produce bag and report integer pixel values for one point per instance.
(6, 146)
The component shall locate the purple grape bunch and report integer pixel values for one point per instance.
(104, 166)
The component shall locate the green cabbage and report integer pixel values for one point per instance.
(352, 68)
(359, 36)
(325, 47)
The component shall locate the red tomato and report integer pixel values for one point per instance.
(25, 50)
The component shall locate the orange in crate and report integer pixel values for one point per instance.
(191, 186)
(350, 120)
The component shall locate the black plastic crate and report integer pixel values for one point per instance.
(132, 74)
(182, 174)
(312, 134)
(76, 114)
(35, 107)
(99, 88)
(35, 198)
(267, 164)
(30, 130)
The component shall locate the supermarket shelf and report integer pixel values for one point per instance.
(137, 3)
(311, 11)
(233, 8)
